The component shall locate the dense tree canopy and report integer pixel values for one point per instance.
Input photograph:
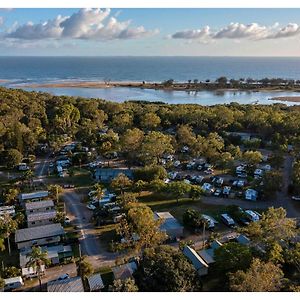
(165, 269)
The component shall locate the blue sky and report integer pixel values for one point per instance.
(221, 32)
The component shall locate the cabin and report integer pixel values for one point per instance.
(95, 282)
(56, 254)
(170, 225)
(34, 196)
(73, 284)
(108, 174)
(197, 261)
(124, 271)
(40, 206)
(41, 218)
(208, 254)
(243, 240)
(39, 236)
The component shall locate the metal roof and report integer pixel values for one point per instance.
(169, 222)
(124, 271)
(95, 282)
(196, 260)
(73, 284)
(34, 195)
(39, 216)
(39, 204)
(39, 232)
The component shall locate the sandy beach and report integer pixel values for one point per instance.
(287, 99)
(178, 86)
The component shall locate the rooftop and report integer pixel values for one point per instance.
(39, 232)
(41, 216)
(124, 271)
(39, 204)
(95, 282)
(34, 195)
(169, 222)
(73, 284)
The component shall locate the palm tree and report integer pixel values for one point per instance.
(37, 259)
(7, 226)
(98, 188)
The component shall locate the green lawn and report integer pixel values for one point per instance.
(106, 234)
(159, 202)
(80, 178)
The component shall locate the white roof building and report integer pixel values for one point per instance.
(33, 196)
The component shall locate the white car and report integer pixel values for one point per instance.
(91, 206)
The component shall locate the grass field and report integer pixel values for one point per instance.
(160, 202)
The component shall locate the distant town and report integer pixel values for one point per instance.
(139, 196)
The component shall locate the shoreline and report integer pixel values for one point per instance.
(154, 85)
(286, 99)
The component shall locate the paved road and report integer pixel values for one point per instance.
(90, 243)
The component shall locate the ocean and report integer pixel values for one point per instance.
(25, 70)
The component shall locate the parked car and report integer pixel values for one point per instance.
(209, 171)
(91, 206)
(217, 192)
(227, 220)
(296, 198)
(252, 216)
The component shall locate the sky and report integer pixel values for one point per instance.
(150, 32)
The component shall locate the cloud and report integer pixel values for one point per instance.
(30, 31)
(192, 34)
(289, 30)
(86, 24)
(239, 31)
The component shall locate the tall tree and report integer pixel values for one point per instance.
(154, 145)
(139, 229)
(260, 277)
(165, 269)
(84, 268)
(126, 285)
(37, 258)
(232, 257)
(120, 183)
(7, 226)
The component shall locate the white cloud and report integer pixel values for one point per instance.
(240, 31)
(30, 31)
(192, 34)
(85, 24)
(289, 30)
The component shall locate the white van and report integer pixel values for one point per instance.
(251, 215)
(13, 283)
